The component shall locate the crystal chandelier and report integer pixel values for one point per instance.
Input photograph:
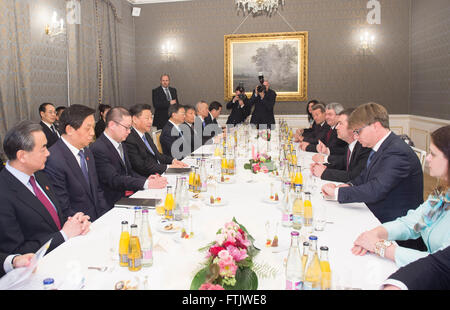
(258, 6)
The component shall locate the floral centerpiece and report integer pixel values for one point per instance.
(260, 163)
(229, 261)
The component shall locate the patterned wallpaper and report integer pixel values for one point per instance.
(430, 58)
(337, 72)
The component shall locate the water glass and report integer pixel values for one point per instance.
(320, 217)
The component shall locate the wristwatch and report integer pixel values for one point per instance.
(381, 246)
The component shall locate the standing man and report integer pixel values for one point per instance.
(263, 101)
(239, 106)
(163, 97)
(71, 165)
(30, 212)
(47, 112)
(116, 176)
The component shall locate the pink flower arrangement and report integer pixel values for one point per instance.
(211, 287)
(232, 249)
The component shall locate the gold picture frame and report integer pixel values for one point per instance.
(282, 57)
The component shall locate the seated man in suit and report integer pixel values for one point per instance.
(30, 213)
(71, 165)
(172, 139)
(429, 273)
(202, 111)
(392, 181)
(342, 168)
(163, 97)
(114, 170)
(212, 126)
(145, 159)
(319, 131)
(331, 143)
(189, 130)
(48, 117)
(10, 262)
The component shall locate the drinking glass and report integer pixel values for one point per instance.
(320, 216)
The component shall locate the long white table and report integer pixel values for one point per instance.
(176, 260)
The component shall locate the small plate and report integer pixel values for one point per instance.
(215, 204)
(169, 227)
(228, 180)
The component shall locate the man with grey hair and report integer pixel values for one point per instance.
(115, 174)
(162, 97)
(30, 213)
(202, 110)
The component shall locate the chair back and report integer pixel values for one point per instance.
(421, 154)
(156, 134)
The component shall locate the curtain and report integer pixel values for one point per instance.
(94, 55)
(15, 64)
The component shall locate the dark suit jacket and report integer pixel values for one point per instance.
(99, 127)
(168, 138)
(51, 137)
(391, 185)
(336, 145)
(238, 114)
(204, 134)
(74, 193)
(337, 167)
(25, 223)
(212, 127)
(263, 108)
(320, 133)
(428, 273)
(161, 105)
(190, 134)
(141, 159)
(2, 261)
(115, 176)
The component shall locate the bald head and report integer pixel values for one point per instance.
(202, 109)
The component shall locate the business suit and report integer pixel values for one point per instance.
(238, 114)
(2, 261)
(75, 194)
(337, 171)
(115, 176)
(99, 127)
(391, 184)
(334, 144)
(263, 108)
(200, 126)
(320, 133)
(189, 133)
(169, 136)
(25, 223)
(429, 273)
(161, 105)
(141, 159)
(212, 126)
(49, 134)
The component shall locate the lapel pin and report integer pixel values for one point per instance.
(87, 158)
(47, 188)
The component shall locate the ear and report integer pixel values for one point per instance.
(20, 155)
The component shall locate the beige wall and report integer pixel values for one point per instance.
(336, 71)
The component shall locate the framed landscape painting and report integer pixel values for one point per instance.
(281, 57)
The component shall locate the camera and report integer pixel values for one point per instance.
(242, 96)
(261, 89)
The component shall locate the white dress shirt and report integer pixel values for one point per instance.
(50, 127)
(74, 151)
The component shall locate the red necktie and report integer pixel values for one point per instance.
(348, 158)
(329, 134)
(47, 204)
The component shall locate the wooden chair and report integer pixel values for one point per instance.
(156, 134)
(421, 154)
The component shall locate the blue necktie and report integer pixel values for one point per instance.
(147, 144)
(370, 157)
(83, 163)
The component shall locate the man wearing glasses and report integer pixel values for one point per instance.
(392, 181)
(116, 176)
(47, 113)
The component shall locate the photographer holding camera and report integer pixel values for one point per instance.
(239, 105)
(263, 99)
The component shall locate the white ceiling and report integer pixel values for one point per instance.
(153, 1)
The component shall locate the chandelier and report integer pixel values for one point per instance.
(258, 6)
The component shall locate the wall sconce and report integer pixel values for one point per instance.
(55, 27)
(366, 42)
(168, 51)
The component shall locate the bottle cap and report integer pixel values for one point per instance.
(324, 248)
(295, 233)
(313, 238)
(124, 223)
(137, 208)
(306, 243)
(307, 193)
(145, 211)
(48, 281)
(133, 226)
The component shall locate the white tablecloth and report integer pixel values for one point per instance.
(176, 260)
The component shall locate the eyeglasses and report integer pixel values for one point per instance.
(358, 131)
(126, 127)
